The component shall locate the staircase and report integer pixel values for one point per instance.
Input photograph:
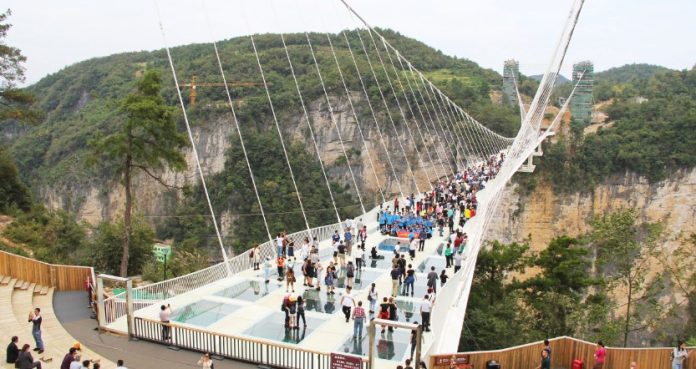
(17, 300)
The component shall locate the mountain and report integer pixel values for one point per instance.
(630, 72)
(560, 80)
(82, 101)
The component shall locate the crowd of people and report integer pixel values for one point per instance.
(22, 358)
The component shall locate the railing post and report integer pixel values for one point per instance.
(371, 348)
(52, 276)
(101, 315)
(129, 307)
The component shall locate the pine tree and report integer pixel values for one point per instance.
(147, 140)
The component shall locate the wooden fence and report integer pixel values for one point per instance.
(62, 277)
(564, 351)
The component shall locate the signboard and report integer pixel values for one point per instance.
(342, 361)
(461, 361)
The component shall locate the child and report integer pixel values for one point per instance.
(290, 279)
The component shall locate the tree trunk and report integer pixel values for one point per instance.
(128, 209)
(628, 311)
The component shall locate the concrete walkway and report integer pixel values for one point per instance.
(71, 309)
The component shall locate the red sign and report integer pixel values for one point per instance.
(342, 361)
(460, 360)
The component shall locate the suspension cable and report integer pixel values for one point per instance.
(280, 134)
(193, 143)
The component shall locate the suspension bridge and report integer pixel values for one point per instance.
(230, 310)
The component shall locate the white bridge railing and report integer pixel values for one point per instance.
(115, 306)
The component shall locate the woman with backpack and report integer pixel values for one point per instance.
(350, 274)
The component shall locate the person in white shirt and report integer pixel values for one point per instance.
(164, 315)
(425, 308)
(359, 253)
(679, 354)
(347, 302)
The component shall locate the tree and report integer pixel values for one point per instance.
(148, 140)
(625, 250)
(557, 292)
(108, 246)
(496, 315)
(14, 103)
(13, 192)
(679, 265)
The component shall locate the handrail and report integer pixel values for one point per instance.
(259, 351)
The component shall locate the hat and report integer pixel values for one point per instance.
(76, 346)
(293, 298)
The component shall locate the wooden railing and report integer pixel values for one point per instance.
(564, 351)
(275, 354)
(62, 277)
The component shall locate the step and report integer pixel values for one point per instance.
(5, 280)
(37, 289)
(25, 286)
(44, 290)
(18, 285)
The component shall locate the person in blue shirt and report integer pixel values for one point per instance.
(348, 237)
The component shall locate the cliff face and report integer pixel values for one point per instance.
(544, 214)
(96, 202)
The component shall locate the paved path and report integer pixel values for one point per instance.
(71, 309)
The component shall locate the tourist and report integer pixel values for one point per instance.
(633, 365)
(347, 302)
(25, 360)
(164, 315)
(301, 311)
(412, 247)
(280, 264)
(318, 269)
(421, 239)
(96, 366)
(36, 319)
(292, 312)
(457, 261)
(358, 254)
(402, 268)
(89, 287)
(384, 311)
(547, 347)
(120, 364)
(448, 255)
(76, 364)
(304, 250)
(599, 356)
(279, 245)
(372, 297)
(348, 239)
(407, 364)
(392, 312)
(291, 251)
(68, 358)
(443, 278)
(362, 236)
(267, 269)
(329, 279)
(350, 274)
(205, 361)
(425, 308)
(255, 257)
(358, 320)
(13, 349)
(374, 255)
(395, 275)
(409, 281)
(432, 279)
(290, 279)
(421, 365)
(679, 354)
(342, 254)
(545, 360)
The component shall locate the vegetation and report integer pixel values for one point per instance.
(651, 138)
(598, 286)
(147, 141)
(14, 103)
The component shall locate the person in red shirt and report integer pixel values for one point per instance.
(599, 355)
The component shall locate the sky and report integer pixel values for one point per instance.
(54, 34)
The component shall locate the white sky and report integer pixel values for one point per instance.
(54, 34)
